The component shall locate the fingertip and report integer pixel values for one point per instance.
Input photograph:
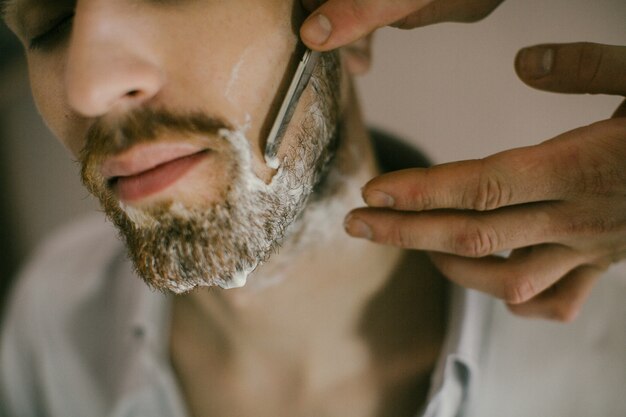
(370, 183)
(316, 31)
(333, 25)
(356, 227)
(534, 62)
(348, 218)
(378, 199)
(366, 188)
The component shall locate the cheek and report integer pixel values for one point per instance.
(48, 93)
(257, 73)
(243, 83)
(262, 76)
(257, 83)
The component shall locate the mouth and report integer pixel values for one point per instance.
(146, 170)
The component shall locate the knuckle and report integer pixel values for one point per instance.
(518, 289)
(422, 201)
(359, 10)
(592, 170)
(600, 226)
(595, 182)
(598, 179)
(489, 194)
(424, 198)
(475, 242)
(402, 237)
(589, 226)
(589, 64)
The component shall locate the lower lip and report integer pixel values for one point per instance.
(142, 185)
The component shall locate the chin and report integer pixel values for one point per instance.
(196, 233)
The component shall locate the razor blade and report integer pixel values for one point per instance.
(298, 84)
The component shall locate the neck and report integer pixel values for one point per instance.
(306, 303)
(320, 271)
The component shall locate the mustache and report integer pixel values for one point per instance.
(146, 125)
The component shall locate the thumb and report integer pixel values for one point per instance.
(338, 23)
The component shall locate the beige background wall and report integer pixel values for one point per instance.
(450, 89)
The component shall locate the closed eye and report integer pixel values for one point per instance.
(55, 34)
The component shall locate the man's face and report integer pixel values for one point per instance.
(167, 105)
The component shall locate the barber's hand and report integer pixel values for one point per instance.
(336, 23)
(560, 205)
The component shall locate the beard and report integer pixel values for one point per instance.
(176, 246)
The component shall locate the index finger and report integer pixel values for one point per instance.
(517, 176)
(338, 23)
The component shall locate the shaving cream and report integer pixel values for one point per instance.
(248, 183)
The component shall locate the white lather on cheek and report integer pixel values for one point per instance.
(249, 184)
(234, 76)
(282, 184)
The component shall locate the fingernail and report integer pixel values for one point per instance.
(357, 228)
(536, 62)
(378, 199)
(317, 29)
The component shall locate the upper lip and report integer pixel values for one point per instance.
(144, 157)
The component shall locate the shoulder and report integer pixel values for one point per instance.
(64, 268)
(67, 267)
(64, 271)
(68, 262)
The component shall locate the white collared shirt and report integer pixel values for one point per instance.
(85, 337)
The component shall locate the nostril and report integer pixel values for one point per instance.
(97, 85)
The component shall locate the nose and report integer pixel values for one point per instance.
(110, 65)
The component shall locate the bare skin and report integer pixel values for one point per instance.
(337, 23)
(563, 217)
(265, 359)
(353, 330)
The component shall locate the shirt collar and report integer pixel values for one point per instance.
(149, 321)
(149, 381)
(458, 366)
